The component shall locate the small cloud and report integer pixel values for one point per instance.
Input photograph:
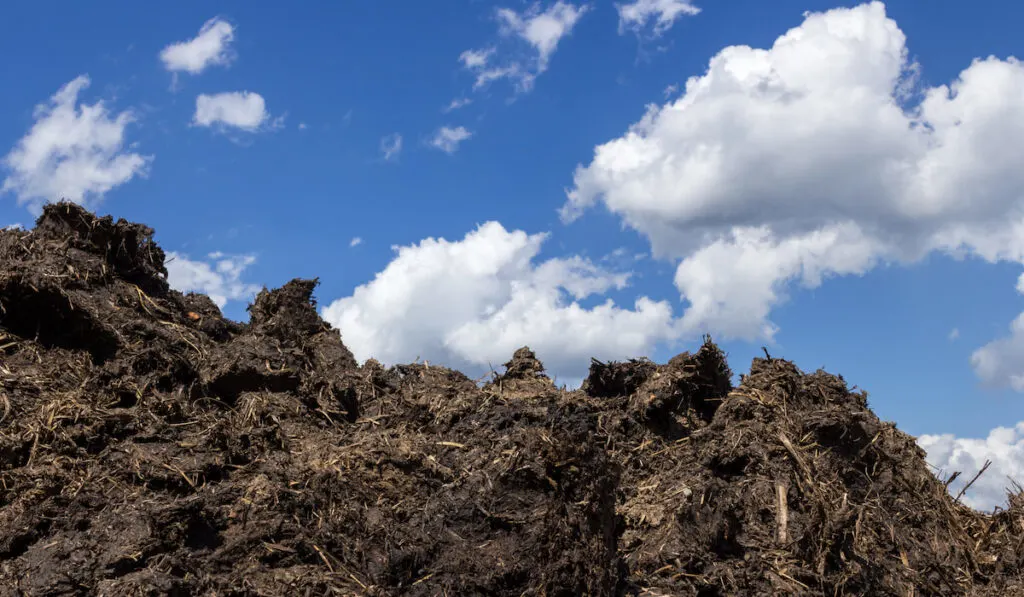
(13, 227)
(448, 139)
(347, 119)
(540, 30)
(219, 276)
(671, 90)
(211, 47)
(355, 242)
(245, 110)
(660, 14)
(457, 103)
(954, 333)
(472, 59)
(391, 146)
(302, 126)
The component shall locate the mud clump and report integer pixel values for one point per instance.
(149, 446)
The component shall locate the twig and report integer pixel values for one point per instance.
(987, 464)
(796, 456)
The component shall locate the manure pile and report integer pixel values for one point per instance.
(148, 446)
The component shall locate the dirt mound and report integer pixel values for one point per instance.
(148, 446)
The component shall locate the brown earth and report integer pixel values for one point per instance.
(148, 446)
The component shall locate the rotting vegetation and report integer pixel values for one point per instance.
(148, 446)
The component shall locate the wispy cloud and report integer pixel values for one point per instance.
(658, 16)
(459, 102)
(391, 146)
(447, 139)
(355, 242)
(541, 30)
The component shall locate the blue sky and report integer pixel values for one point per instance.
(820, 194)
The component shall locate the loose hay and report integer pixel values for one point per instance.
(148, 446)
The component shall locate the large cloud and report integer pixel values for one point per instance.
(471, 303)
(1004, 447)
(818, 156)
(74, 152)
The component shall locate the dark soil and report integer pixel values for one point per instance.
(148, 446)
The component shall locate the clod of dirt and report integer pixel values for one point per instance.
(150, 446)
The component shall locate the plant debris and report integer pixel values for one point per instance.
(149, 446)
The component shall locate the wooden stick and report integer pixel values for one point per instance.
(988, 463)
(782, 513)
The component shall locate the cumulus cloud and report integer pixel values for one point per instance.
(658, 15)
(540, 31)
(211, 47)
(74, 152)
(447, 139)
(355, 242)
(219, 276)
(804, 160)
(470, 303)
(1004, 447)
(391, 146)
(1000, 363)
(245, 110)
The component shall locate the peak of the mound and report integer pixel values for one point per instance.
(127, 248)
(524, 365)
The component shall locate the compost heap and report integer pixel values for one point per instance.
(149, 446)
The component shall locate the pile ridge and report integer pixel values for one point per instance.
(150, 446)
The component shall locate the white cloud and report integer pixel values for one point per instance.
(799, 162)
(355, 242)
(447, 139)
(659, 14)
(245, 110)
(460, 102)
(541, 30)
(476, 58)
(15, 226)
(954, 333)
(1004, 446)
(1000, 363)
(219, 277)
(302, 126)
(391, 146)
(74, 152)
(212, 47)
(472, 302)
